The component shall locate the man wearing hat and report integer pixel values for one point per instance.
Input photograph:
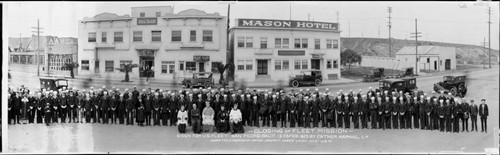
(373, 107)
(164, 106)
(355, 112)
(246, 108)
(292, 111)
(365, 112)
(330, 113)
(113, 108)
(105, 102)
(315, 110)
(347, 111)
(473, 115)
(273, 110)
(71, 106)
(156, 109)
(264, 110)
(130, 109)
(421, 112)
(455, 117)
(63, 103)
(483, 113)
(121, 108)
(323, 106)
(307, 112)
(339, 108)
(254, 116)
(55, 108)
(173, 108)
(395, 112)
(441, 113)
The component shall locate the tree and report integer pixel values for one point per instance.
(222, 68)
(127, 68)
(70, 66)
(349, 57)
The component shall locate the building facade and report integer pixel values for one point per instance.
(165, 44)
(53, 54)
(429, 58)
(263, 49)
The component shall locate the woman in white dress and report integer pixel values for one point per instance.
(182, 117)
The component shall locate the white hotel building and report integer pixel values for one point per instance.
(172, 45)
(274, 50)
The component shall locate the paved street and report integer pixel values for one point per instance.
(118, 138)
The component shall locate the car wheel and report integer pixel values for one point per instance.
(207, 84)
(317, 82)
(453, 91)
(295, 83)
(436, 89)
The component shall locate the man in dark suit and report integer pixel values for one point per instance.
(473, 115)
(483, 113)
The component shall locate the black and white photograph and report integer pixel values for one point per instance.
(210, 77)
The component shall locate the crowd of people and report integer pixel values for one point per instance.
(228, 110)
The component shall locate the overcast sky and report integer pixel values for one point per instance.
(438, 21)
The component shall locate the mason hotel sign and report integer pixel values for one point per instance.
(287, 24)
(147, 21)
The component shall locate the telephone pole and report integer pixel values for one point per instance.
(416, 35)
(349, 29)
(389, 10)
(489, 36)
(37, 60)
(484, 45)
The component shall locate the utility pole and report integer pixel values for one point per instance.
(349, 29)
(38, 49)
(484, 45)
(416, 35)
(379, 31)
(290, 15)
(389, 10)
(489, 36)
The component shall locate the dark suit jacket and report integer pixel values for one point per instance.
(482, 112)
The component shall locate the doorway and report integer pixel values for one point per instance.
(96, 69)
(315, 64)
(147, 66)
(261, 67)
(202, 66)
(435, 65)
(447, 64)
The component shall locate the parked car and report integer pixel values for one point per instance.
(375, 75)
(452, 84)
(50, 83)
(407, 85)
(310, 77)
(202, 79)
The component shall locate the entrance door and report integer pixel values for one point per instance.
(147, 67)
(202, 66)
(261, 67)
(96, 69)
(315, 64)
(435, 65)
(447, 64)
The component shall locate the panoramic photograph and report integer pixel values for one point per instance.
(251, 77)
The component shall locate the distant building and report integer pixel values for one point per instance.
(170, 45)
(429, 58)
(274, 50)
(54, 50)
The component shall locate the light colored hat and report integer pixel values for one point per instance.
(274, 96)
(355, 98)
(373, 98)
(316, 89)
(370, 88)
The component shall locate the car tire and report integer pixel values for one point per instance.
(295, 83)
(453, 91)
(436, 89)
(207, 84)
(317, 82)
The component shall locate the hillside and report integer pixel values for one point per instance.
(380, 47)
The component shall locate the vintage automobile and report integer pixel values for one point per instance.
(408, 72)
(452, 84)
(202, 79)
(309, 77)
(51, 83)
(407, 85)
(375, 75)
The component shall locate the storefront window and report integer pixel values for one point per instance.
(249, 65)
(277, 64)
(109, 66)
(191, 66)
(155, 35)
(263, 42)
(241, 41)
(241, 64)
(85, 65)
(137, 35)
(118, 36)
(286, 63)
(207, 35)
(176, 35)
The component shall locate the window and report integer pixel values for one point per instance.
(192, 35)
(249, 42)
(123, 63)
(296, 64)
(304, 42)
(277, 64)
(249, 64)
(317, 43)
(118, 36)
(142, 14)
(207, 35)
(304, 64)
(137, 36)
(191, 66)
(329, 64)
(167, 67)
(241, 42)
(263, 43)
(85, 65)
(277, 43)
(286, 42)
(109, 66)
(297, 43)
(428, 60)
(335, 44)
(335, 64)
(158, 14)
(104, 37)
(241, 65)
(286, 63)
(181, 65)
(329, 43)
(155, 35)
(176, 35)
(214, 67)
(92, 36)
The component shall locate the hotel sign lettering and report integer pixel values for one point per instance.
(287, 24)
(146, 52)
(147, 21)
(201, 58)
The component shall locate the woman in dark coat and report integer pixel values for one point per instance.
(141, 115)
(222, 120)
